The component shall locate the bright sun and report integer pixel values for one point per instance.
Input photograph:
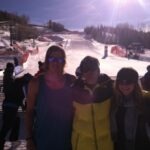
(126, 2)
(121, 2)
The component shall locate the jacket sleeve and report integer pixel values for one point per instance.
(146, 110)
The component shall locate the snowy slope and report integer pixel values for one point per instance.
(110, 65)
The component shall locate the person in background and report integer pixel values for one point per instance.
(145, 80)
(11, 120)
(49, 112)
(130, 113)
(105, 52)
(22, 89)
(26, 79)
(91, 92)
(41, 68)
(17, 67)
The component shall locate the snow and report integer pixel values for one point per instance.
(111, 65)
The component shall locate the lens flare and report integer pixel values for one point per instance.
(142, 3)
(121, 2)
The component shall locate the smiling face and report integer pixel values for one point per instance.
(90, 71)
(127, 80)
(126, 89)
(91, 77)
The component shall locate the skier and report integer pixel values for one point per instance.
(105, 52)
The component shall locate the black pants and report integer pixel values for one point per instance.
(138, 145)
(11, 123)
(124, 145)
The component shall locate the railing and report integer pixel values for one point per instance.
(2, 94)
(1, 89)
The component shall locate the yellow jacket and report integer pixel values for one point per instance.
(91, 127)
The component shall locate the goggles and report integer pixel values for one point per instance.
(55, 59)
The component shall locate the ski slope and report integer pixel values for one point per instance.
(111, 65)
(77, 48)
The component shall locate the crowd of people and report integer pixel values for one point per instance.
(14, 96)
(87, 111)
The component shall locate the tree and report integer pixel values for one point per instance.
(56, 27)
(123, 34)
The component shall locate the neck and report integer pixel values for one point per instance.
(91, 86)
(53, 76)
(54, 73)
(55, 81)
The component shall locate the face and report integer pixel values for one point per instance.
(91, 77)
(56, 62)
(126, 89)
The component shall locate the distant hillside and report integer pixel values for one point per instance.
(122, 34)
(6, 16)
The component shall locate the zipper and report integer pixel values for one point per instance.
(94, 128)
(77, 141)
(91, 91)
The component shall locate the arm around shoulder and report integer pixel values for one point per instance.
(146, 102)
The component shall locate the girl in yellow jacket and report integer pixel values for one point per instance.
(92, 92)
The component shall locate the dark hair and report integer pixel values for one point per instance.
(40, 64)
(51, 50)
(16, 61)
(9, 68)
(9, 65)
(148, 68)
(27, 77)
(8, 76)
(132, 76)
(89, 64)
(127, 75)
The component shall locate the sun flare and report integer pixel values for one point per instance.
(128, 2)
(121, 2)
(142, 3)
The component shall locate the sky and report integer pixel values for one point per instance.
(77, 14)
